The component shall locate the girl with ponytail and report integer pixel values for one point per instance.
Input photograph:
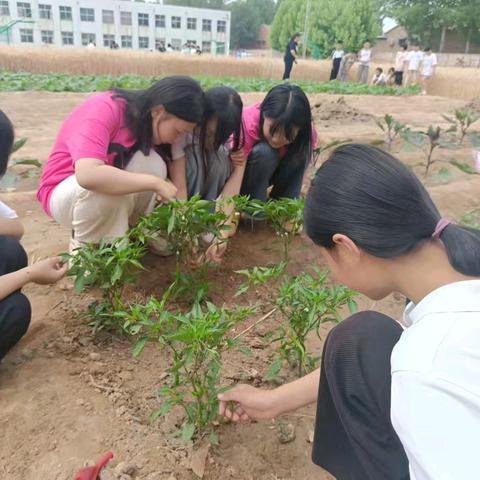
(390, 397)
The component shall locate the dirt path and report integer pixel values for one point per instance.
(67, 396)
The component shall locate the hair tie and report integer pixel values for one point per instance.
(442, 224)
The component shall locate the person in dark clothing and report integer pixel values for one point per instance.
(290, 55)
(15, 310)
(337, 56)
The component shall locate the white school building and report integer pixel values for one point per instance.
(130, 24)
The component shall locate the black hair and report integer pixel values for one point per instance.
(391, 69)
(295, 35)
(363, 192)
(427, 49)
(180, 96)
(380, 69)
(6, 141)
(289, 108)
(405, 47)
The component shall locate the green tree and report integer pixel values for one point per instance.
(352, 21)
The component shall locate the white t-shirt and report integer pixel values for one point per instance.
(337, 54)
(365, 56)
(6, 211)
(414, 59)
(380, 79)
(400, 60)
(178, 148)
(435, 366)
(428, 62)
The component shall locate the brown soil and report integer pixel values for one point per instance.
(67, 396)
(338, 111)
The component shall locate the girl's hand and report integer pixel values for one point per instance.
(238, 158)
(249, 403)
(48, 271)
(165, 190)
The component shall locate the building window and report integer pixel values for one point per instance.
(47, 36)
(160, 21)
(191, 23)
(125, 18)
(143, 20)
(176, 44)
(108, 40)
(126, 41)
(88, 38)
(221, 26)
(65, 14)
(143, 42)
(45, 11)
(24, 10)
(206, 25)
(67, 38)
(220, 48)
(107, 17)
(87, 14)
(4, 8)
(176, 22)
(206, 47)
(26, 35)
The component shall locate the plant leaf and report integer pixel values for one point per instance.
(187, 432)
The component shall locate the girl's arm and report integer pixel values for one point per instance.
(11, 227)
(251, 403)
(94, 175)
(177, 172)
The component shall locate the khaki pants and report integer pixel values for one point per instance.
(95, 216)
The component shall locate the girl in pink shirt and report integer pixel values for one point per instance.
(279, 138)
(107, 166)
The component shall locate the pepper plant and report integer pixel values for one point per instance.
(306, 301)
(461, 122)
(391, 128)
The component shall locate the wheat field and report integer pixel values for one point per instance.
(453, 82)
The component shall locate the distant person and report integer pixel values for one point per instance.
(114, 46)
(91, 45)
(290, 55)
(379, 79)
(414, 60)
(169, 48)
(161, 47)
(337, 56)
(401, 64)
(390, 80)
(15, 273)
(429, 65)
(198, 51)
(345, 66)
(364, 57)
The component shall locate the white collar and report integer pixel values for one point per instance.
(455, 297)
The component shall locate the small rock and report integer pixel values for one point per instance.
(121, 410)
(80, 401)
(96, 368)
(125, 468)
(285, 432)
(125, 376)
(311, 436)
(50, 354)
(94, 356)
(163, 376)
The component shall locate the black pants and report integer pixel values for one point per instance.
(335, 68)
(288, 68)
(354, 436)
(265, 168)
(15, 311)
(398, 78)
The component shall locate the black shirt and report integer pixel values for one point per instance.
(288, 53)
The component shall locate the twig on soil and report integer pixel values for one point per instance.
(101, 387)
(255, 324)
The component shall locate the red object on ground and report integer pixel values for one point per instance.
(93, 473)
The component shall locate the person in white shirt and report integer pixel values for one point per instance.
(392, 403)
(379, 78)
(414, 58)
(364, 57)
(401, 62)
(15, 309)
(429, 65)
(337, 56)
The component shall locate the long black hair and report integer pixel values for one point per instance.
(363, 192)
(180, 96)
(6, 141)
(289, 108)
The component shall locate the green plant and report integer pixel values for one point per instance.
(306, 301)
(462, 121)
(320, 150)
(259, 276)
(109, 266)
(471, 219)
(391, 128)
(18, 144)
(197, 340)
(285, 215)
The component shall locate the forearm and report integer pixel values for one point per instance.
(231, 188)
(11, 227)
(12, 282)
(297, 394)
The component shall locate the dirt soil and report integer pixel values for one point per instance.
(67, 396)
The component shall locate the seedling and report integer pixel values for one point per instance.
(259, 276)
(319, 151)
(462, 121)
(197, 341)
(391, 128)
(109, 266)
(286, 216)
(306, 301)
